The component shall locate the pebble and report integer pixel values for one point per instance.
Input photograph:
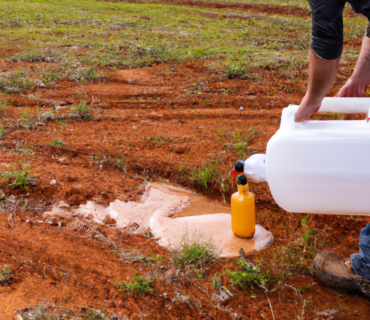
(133, 127)
(241, 108)
(53, 182)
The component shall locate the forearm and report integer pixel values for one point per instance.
(321, 76)
(362, 68)
(359, 81)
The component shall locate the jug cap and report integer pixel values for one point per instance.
(239, 167)
(242, 180)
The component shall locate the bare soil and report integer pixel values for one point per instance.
(71, 268)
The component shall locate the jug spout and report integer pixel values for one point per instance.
(254, 167)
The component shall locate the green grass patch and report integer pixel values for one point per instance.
(250, 276)
(139, 285)
(194, 253)
(5, 276)
(18, 178)
(75, 40)
(57, 143)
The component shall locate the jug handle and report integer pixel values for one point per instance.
(345, 105)
(288, 118)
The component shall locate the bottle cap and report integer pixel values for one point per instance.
(242, 180)
(239, 167)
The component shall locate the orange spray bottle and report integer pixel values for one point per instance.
(243, 217)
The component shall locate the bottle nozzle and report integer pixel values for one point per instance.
(242, 180)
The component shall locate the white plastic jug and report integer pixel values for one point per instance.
(320, 166)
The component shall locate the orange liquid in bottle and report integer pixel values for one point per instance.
(243, 217)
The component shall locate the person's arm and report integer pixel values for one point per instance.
(321, 76)
(359, 81)
(325, 53)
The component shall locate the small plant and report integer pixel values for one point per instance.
(121, 163)
(307, 237)
(236, 69)
(216, 283)
(5, 276)
(250, 275)
(19, 178)
(90, 75)
(140, 286)
(57, 143)
(17, 81)
(195, 254)
(83, 111)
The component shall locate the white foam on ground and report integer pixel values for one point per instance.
(159, 203)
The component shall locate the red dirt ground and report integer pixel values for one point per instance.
(70, 269)
(250, 7)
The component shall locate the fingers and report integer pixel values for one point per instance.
(304, 114)
(352, 89)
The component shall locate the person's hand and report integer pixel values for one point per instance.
(306, 110)
(353, 88)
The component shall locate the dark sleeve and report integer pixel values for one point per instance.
(368, 31)
(327, 28)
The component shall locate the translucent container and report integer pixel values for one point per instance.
(322, 166)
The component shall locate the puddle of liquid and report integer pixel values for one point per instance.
(174, 214)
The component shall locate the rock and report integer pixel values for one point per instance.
(334, 273)
(2, 195)
(53, 182)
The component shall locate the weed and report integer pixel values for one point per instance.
(19, 178)
(236, 69)
(17, 81)
(241, 140)
(194, 253)
(89, 75)
(140, 286)
(307, 237)
(250, 275)
(25, 150)
(57, 143)
(83, 111)
(5, 276)
(216, 283)
(121, 163)
(207, 175)
(159, 139)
